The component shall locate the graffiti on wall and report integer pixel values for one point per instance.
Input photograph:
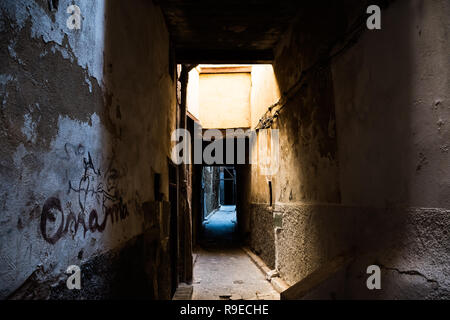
(92, 187)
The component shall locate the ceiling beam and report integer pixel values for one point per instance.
(199, 56)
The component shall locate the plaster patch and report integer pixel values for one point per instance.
(12, 52)
(89, 83)
(87, 46)
(64, 52)
(29, 127)
(76, 132)
(20, 152)
(43, 54)
(5, 78)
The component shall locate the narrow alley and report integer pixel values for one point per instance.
(222, 270)
(224, 150)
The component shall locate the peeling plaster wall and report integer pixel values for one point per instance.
(364, 164)
(86, 117)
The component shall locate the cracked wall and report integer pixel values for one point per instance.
(80, 147)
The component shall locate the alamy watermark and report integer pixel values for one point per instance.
(374, 20)
(228, 147)
(74, 20)
(374, 280)
(74, 280)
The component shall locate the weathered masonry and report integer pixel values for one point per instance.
(86, 118)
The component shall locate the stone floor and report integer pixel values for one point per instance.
(222, 270)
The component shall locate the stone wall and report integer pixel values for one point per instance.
(262, 240)
(80, 147)
(364, 151)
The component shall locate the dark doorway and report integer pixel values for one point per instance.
(227, 186)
